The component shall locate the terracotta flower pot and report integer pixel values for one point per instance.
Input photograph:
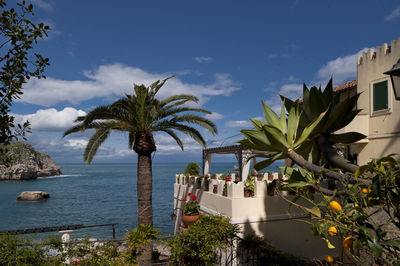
(189, 220)
(260, 177)
(248, 193)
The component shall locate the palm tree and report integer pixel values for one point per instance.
(140, 114)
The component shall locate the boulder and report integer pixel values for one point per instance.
(33, 196)
(21, 161)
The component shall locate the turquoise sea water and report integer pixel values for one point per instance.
(92, 194)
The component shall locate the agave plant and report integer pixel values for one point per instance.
(338, 115)
(306, 131)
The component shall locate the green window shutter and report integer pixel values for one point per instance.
(380, 96)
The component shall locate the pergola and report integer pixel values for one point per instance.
(242, 155)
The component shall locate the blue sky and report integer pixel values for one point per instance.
(231, 54)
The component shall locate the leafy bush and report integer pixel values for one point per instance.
(16, 250)
(198, 244)
(192, 169)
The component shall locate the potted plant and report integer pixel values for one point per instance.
(249, 187)
(190, 210)
(222, 176)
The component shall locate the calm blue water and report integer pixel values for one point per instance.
(92, 194)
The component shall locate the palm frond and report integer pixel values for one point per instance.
(199, 120)
(175, 111)
(191, 131)
(94, 143)
(174, 136)
(179, 97)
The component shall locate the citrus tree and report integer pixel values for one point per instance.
(305, 133)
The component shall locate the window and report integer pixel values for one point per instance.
(380, 97)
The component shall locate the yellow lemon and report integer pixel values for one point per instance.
(347, 242)
(328, 259)
(332, 231)
(335, 206)
(366, 190)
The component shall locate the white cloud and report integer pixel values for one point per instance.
(395, 14)
(203, 59)
(214, 116)
(113, 81)
(291, 90)
(79, 144)
(167, 145)
(238, 123)
(43, 4)
(342, 68)
(51, 119)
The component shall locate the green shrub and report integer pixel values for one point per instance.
(144, 234)
(15, 250)
(192, 169)
(197, 245)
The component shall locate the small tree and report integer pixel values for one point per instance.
(192, 169)
(18, 63)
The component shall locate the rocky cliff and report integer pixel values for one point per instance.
(21, 162)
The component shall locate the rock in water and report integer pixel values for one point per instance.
(21, 161)
(33, 196)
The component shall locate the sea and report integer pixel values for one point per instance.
(92, 194)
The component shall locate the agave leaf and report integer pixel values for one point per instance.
(275, 136)
(265, 163)
(328, 93)
(306, 102)
(257, 123)
(287, 102)
(282, 119)
(315, 102)
(247, 143)
(259, 139)
(338, 111)
(293, 124)
(345, 120)
(345, 138)
(270, 116)
(308, 130)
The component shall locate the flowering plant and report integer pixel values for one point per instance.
(191, 205)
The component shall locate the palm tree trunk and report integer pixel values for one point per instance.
(144, 196)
